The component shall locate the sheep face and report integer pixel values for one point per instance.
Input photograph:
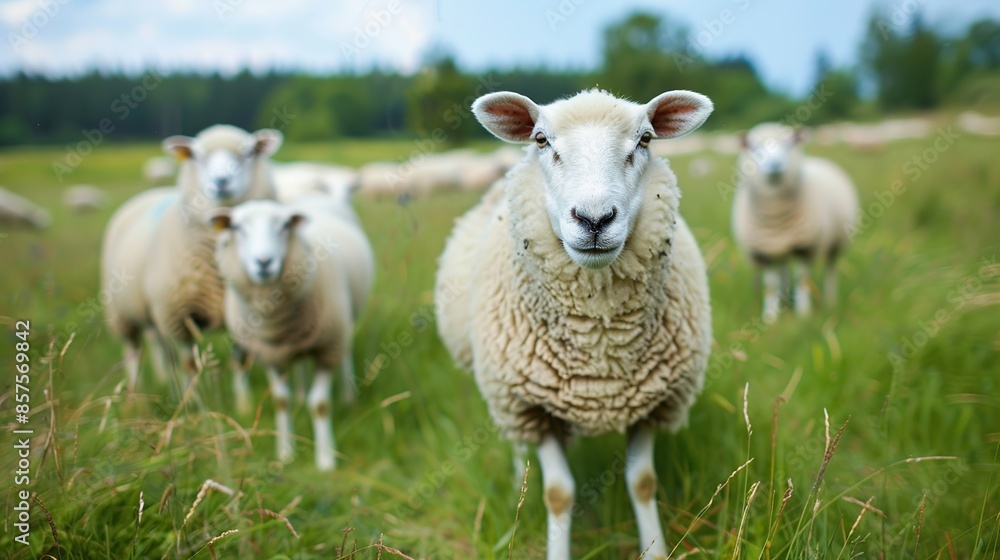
(259, 234)
(224, 158)
(593, 153)
(772, 157)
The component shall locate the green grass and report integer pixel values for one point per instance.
(423, 469)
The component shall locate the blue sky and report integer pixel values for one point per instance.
(781, 36)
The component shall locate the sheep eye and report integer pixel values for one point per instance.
(644, 141)
(541, 140)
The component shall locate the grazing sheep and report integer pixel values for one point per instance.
(576, 292)
(297, 277)
(790, 206)
(158, 257)
(85, 198)
(16, 210)
(159, 170)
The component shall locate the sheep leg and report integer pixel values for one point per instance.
(772, 299)
(348, 385)
(157, 354)
(786, 287)
(319, 406)
(641, 479)
(559, 489)
(803, 303)
(241, 385)
(132, 358)
(283, 419)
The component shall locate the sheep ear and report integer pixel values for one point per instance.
(801, 134)
(178, 146)
(509, 116)
(266, 141)
(676, 113)
(295, 219)
(221, 219)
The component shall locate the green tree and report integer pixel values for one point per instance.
(903, 64)
(438, 102)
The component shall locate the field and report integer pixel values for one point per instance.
(907, 367)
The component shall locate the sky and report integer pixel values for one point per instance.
(781, 37)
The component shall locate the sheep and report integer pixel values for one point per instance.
(380, 178)
(790, 206)
(576, 293)
(159, 170)
(160, 245)
(297, 277)
(85, 198)
(299, 179)
(979, 124)
(16, 210)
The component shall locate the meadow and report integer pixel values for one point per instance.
(868, 430)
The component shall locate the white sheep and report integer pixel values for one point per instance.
(16, 210)
(85, 198)
(299, 179)
(158, 258)
(297, 277)
(380, 178)
(790, 206)
(576, 292)
(159, 170)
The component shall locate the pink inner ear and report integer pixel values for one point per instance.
(670, 117)
(514, 119)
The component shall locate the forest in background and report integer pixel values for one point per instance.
(901, 67)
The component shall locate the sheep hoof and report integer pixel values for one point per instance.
(325, 462)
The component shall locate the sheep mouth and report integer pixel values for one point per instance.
(596, 250)
(594, 256)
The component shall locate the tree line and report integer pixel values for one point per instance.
(904, 64)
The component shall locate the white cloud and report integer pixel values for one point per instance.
(15, 12)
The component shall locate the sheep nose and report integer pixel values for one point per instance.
(594, 225)
(221, 182)
(264, 263)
